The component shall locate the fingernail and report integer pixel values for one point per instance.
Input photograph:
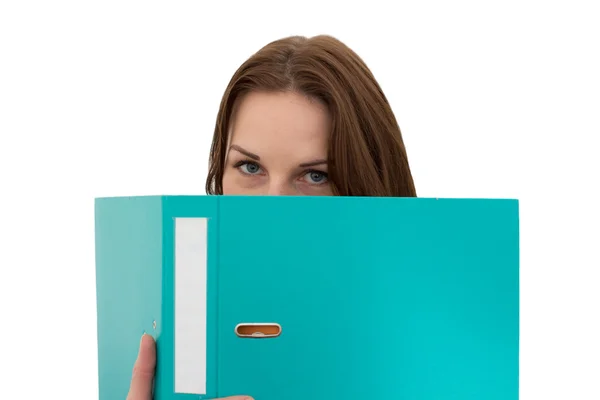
(141, 343)
(142, 339)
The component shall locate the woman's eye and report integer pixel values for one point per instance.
(316, 177)
(250, 168)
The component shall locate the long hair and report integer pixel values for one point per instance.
(366, 153)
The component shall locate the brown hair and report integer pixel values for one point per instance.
(366, 156)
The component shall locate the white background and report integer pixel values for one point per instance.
(106, 98)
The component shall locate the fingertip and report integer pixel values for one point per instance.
(147, 350)
(146, 341)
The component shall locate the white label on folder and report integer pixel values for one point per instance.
(190, 304)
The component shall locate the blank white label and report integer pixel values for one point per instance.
(190, 304)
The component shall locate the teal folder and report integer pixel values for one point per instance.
(295, 298)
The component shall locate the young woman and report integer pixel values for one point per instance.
(302, 116)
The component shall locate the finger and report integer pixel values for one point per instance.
(143, 370)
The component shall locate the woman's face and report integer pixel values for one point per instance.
(277, 146)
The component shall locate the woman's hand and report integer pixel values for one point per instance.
(143, 373)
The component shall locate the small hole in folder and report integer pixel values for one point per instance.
(258, 330)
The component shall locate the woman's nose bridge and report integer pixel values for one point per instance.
(280, 186)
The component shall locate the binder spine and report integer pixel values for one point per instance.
(190, 305)
(189, 361)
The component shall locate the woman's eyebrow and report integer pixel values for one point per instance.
(244, 152)
(313, 163)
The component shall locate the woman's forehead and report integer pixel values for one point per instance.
(282, 122)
